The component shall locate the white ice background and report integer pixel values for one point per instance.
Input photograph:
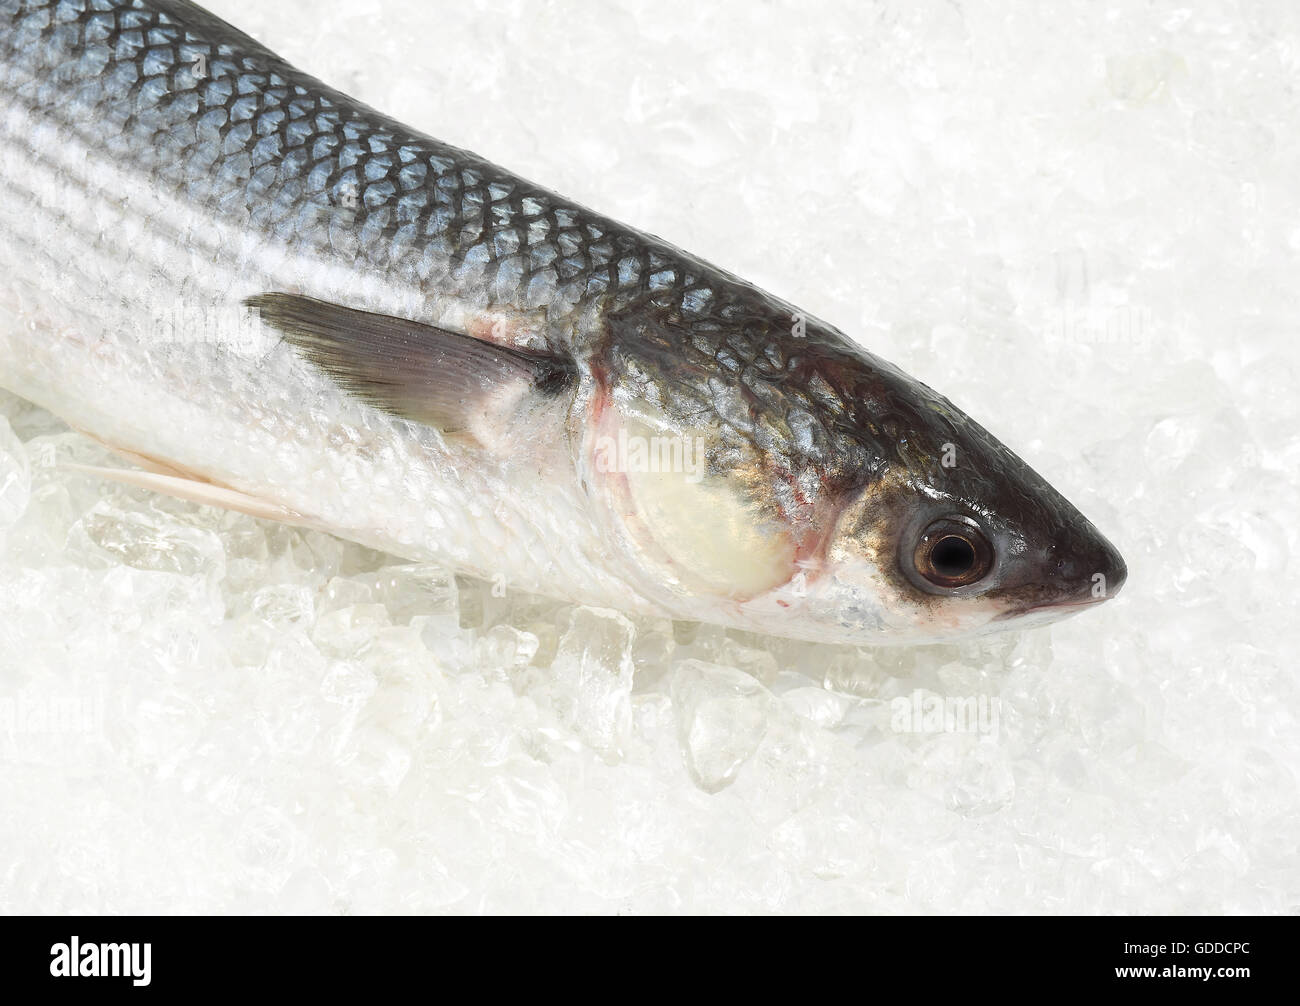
(1080, 221)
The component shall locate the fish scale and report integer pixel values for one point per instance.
(163, 172)
(447, 235)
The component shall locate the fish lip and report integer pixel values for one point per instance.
(1050, 606)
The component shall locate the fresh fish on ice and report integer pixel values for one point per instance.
(273, 298)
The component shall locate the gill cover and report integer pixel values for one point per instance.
(695, 529)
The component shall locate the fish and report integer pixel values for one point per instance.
(269, 297)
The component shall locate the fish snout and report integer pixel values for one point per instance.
(1086, 571)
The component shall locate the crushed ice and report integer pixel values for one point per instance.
(1081, 228)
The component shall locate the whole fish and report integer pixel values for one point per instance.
(273, 298)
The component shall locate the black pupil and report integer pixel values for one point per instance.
(952, 556)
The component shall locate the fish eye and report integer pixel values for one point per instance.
(953, 552)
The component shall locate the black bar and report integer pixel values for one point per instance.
(575, 957)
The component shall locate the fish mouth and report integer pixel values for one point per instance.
(1059, 587)
(1049, 610)
(1058, 609)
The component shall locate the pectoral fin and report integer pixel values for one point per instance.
(453, 382)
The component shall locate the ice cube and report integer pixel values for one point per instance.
(472, 593)
(592, 678)
(347, 632)
(722, 716)
(507, 649)
(15, 477)
(984, 782)
(412, 589)
(653, 654)
(344, 592)
(284, 602)
(147, 539)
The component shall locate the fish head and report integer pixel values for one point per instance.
(953, 534)
(837, 499)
